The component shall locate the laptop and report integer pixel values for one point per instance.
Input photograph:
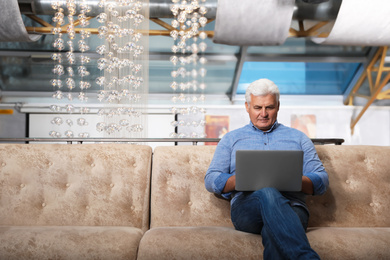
(281, 169)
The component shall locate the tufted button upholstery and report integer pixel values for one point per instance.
(359, 192)
(80, 184)
(178, 196)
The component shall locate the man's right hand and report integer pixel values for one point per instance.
(230, 184)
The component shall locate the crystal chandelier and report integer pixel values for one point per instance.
(188, 67)
(70, 70)
(124, 65)
(123, 62)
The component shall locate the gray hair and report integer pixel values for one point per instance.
(262, 87)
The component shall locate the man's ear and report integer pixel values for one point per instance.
(247, 107)
(278, 105)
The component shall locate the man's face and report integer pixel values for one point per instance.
(263, 111)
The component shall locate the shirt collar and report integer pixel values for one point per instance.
(274, 126)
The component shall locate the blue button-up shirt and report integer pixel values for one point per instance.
(279, 137)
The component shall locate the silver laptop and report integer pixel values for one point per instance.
(281, 169)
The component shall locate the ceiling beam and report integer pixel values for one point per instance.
(241, 57)
(376, 82)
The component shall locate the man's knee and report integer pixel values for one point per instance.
(268, 192)
(269, 195)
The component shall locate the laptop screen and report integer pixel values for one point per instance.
(281, 169)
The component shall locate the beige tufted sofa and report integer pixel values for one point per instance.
(59, 201)
(91, 201)
(351, 221)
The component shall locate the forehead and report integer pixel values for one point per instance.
(263, 100)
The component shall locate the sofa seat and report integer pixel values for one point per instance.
(336, 243)
(69, 242)
(331, 243)
(199, 243)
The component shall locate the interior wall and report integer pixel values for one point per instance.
(330, 122)
(12, 125)
(159, 126)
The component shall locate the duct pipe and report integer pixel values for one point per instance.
(157, 8)
(319, 10)
(325, 11)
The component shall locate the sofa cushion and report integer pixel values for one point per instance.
(336, 243)
(199, 243)
(203, 243)
(359, 189)
(75, 185)
(69, 242)
(178, 194)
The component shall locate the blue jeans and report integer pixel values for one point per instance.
(282, 227)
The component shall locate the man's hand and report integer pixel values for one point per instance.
(307, 185)
(230, 184)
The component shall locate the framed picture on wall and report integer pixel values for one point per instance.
(216, 127)
(305, 123)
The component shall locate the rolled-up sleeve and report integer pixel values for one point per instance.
(219, 170)
(314, 169)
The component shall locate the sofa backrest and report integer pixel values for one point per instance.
(358, 196)
(359, 193)
(75, 184)
(178, 194)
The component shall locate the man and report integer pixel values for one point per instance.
(280, 217)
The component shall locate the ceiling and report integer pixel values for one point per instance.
(299, 66)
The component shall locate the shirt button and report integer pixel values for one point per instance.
(265, 143)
